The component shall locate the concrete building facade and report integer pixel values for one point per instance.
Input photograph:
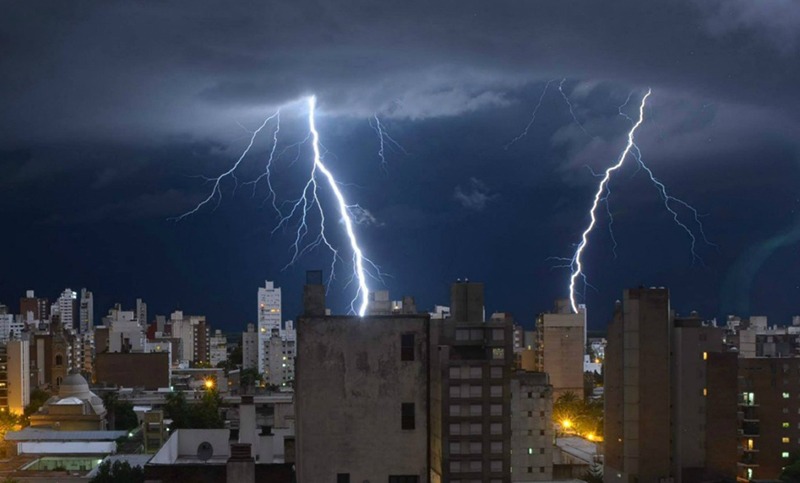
(363, 398)
(560, 346)
(250, 347)
(531, 427)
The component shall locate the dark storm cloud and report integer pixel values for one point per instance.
(145, 69)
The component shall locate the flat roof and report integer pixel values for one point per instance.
(35, 434)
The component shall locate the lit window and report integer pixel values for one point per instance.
(785, 454)
(785, 425)
(530, 450)
(784, 440)
(786, 395)
(705, 391)
(705, 356)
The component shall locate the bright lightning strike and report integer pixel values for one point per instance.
(363, 290)
(577, 265)
(604, 191)
(309, 201)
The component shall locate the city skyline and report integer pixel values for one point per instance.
(96, 162)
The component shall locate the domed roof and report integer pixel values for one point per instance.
(74, 385)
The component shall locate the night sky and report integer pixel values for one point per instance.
(111, 114)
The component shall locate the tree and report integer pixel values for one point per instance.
(38, 398)
(249, 378)
(574, 415)
(8, 422)
(203, 415)
(119, 472)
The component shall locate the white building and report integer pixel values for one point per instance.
(86, 312)
(83, 352)
(10, 327)
(250, 348)
(125, 334)
(269, 319)
(65, 306)
(280, 351)
(218, 348)
(531, 427)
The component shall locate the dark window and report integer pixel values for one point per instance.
(407, 347)
(407, 416)
(541, 469)
(59, 360)
(530, 469)
(404, 479)
(343, 478)
(541, 432)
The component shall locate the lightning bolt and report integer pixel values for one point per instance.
(577, 264)
(308, 202)
(533, 117)
(603, 192)
(385, 141)
(569, 104)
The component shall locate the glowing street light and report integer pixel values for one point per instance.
(209, 383)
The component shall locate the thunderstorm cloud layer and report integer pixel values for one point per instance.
(111, 111)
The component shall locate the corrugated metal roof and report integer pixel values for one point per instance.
(33, 434)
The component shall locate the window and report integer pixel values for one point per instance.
(785, 454)
(475, 447)
(455, 428)
(475, 428)
(59, 360)
(462, 334)
(455, 391)
(530, 469)
(455, 466)
(496, 391)
(498, 334)
(496, 428)
(786, 395)
(455, 410)
(784, 440)
(497, 447)
(705, 356)
(343, 478)
(407, 413)
(404, 479)
(530, 450)
(785, 425)
(478, 465)
(475, 410)
(496, 466)
(455, 448)
(497, 372)
(407, 347)
(475, 391)
(496, 410)
(530, 395)
(455, 373)
(498, 353)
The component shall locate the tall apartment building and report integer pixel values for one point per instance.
(141, 312)
(217, 348)
(531, 427)
(86, 312)
(280, 352)
(250, 348)
(476, 359)
(269, 318)
(39, 308)
(67, 308)
(560, 346)
(193, 333)
(83, 354)
(18, 375)
(656, 390)
(364, 397)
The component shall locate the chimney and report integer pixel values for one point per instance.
(241, 467)
(247, 422)
(314, 294)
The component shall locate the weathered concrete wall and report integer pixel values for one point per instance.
(350, 385)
